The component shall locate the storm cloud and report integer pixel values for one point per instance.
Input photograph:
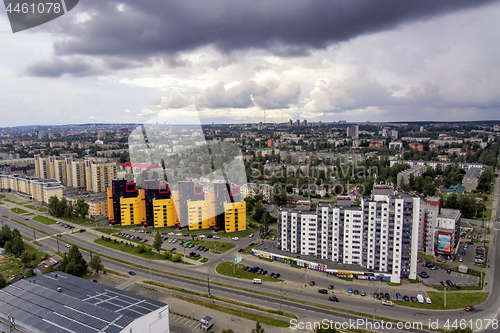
(131, 32)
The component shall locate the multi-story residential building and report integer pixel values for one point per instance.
(353, 131)
(35, 188)
(434, 164)
(471, 179)
(418, 146)
(404, 176)
(381, 234)
(396, 145)
(157, 206)
(102, 175)
(84, 174)
(98, 205)
(440, 229)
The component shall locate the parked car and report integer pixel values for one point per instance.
(349, 290)
(330, 286)
(428, 300)
(406, 298)
(333, 299)
(460, 259)
(413, 299)
(387, 296)
(235, 238)
(362, 293)
(388, 303)
(443, 283)
(420, 298)
(375, 295)
(449, 283)
(277, 275)
(172, 249)
(448, 271)
(312, 283)
(356, 292)
(469, 308)
(323, 291)
(398, 296)
(131, 273)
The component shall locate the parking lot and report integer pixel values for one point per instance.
(182, 324)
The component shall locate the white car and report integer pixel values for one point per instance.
(174, 241)
(235, 238)
(460, 259)
(251, 235)
(216, 237)
(202, 236)
(67, 245)
(171, 233)
(428, 300)
(178, 234)
(170, 240)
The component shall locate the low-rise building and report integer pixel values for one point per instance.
(471, 179)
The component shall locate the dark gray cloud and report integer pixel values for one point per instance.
(150, 30)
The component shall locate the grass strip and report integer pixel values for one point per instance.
(204, 260)
(44, 220)
(107, 231)
(251, 316)
(453, 301)
(225, 300)
(133, 250)
(16, 210)
(28, 226)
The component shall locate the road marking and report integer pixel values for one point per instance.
(182, 320)
(194, 322)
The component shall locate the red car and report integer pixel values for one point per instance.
(144, 241)
(469, 308)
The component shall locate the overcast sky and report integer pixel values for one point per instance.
(367, 60)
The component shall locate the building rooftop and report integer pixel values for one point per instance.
(450, 213)
(473, 173)
(81, 306)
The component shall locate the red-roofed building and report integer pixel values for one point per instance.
(375, 144)
(418, 146)
(130, 167)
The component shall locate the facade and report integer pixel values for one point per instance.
(98, 205)
(404, 176)
(84, 174)
(375, 144)
(381, 234)
(471, 179)
(37, 189)
(102, 174)
(188, 207)
(353, 131)
(440, 229)
(418, 146)
(59, 302)
(396, 145)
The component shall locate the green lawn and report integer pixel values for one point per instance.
(226, 268)
(204, 260)
(44, 220)
(41, 209)
(487, 215)
(10, 266)
(125, 247)
(79, 220)
(2, 196)
(107, 231)
(18, 210)
(237, 233)
(249, 249)
(453, 301)
(2, 203)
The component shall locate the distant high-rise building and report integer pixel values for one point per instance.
(353, 131)
(290, 123)
(422, 129)
(305, 123)
(269, 143)
(298, 123)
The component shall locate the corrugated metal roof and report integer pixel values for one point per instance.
(82, 306)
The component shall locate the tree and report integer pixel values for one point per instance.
(53, 204)
(157, 243)
(259, 211)
(176, 257)
(167, 254)
(3, 282)
(5, 235)
(81, 208)
(258, 329)
(73, 263)
(96, 264)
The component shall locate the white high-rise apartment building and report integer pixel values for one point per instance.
(381, 234)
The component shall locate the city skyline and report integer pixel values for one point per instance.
(364, 61)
